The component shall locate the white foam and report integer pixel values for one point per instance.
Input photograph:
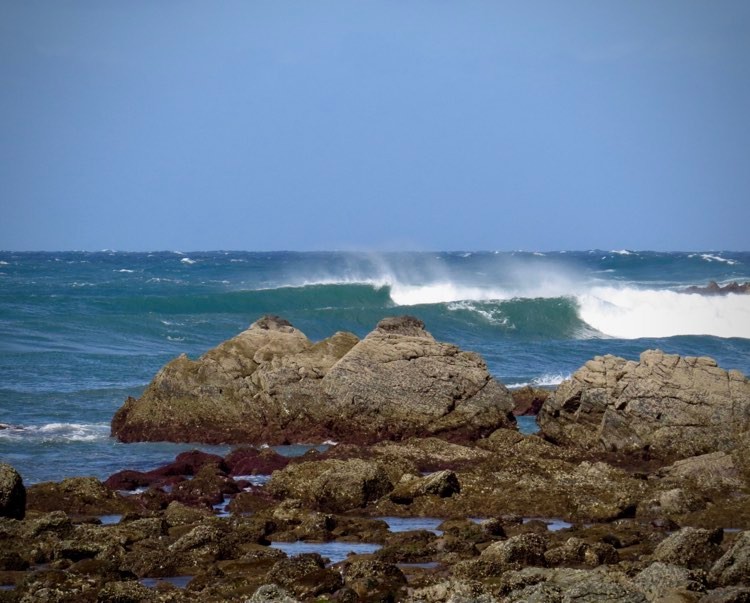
(713, 258)
(124, 270)
(629, 313)
(58, 432)
(492, 315)
(2, 263)
(187, 261)
(549, 379)
(621, 252)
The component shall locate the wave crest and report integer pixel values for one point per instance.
(627, 313)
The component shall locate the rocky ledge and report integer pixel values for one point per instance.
(663, 405)
(271, 384)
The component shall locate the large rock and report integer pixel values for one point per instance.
(332, 485)
(663, 405)
(12, 493)
(270, 384)
(262, 386)
(398, 381)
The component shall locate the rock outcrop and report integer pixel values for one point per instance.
(664, 405)
(12, 493)
(398, 381)
(270, 384)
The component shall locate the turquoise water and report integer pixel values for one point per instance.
(79, 332)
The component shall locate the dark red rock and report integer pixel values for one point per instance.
(251, 461)
(528, 400)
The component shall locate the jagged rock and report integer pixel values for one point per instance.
(270, 384)
(663, 405)
(260, 387)
(12, 493)
(693, 548)
(398, 381)
(734, 566)
(332, 485)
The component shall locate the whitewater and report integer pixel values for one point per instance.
(81, 331)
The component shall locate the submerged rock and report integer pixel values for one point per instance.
(270, 384)
(664, 405)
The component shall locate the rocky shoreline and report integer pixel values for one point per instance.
(636, 488)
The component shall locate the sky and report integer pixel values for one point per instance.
(374, 125)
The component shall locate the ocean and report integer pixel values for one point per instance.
(81, 331)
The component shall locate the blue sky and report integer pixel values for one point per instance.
(374, 125)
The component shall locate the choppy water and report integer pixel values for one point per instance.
(79, 332)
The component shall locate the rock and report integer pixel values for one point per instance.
(408, 547)
(398, 381)
(443, 484)
(452, 591)
(76, 496)
(373, 580)
(528, 401)
(519, 551)
(734, 566)
(576, 551)
(732, 594)
(262, 386)
(270, 384)
(693, 548)
(272, 593)
(126, 592)
(713, 288)
(207, 488)
(659, 579)
(663, 405)
(252, 461)
(305, 575)
(12, 493)
(563, 585)
(178, 514)
(332, 485)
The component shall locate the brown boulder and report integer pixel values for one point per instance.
(76, 496)
(398, 381)
(12, 493)
(256, 387)
(332, 485)
(663, 405)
